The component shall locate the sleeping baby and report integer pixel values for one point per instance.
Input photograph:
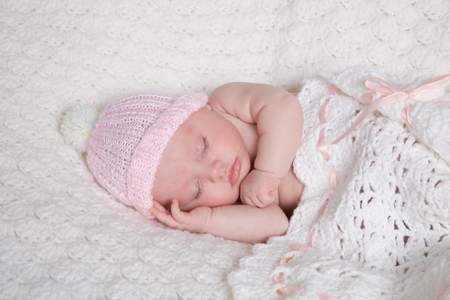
(186, 159)
(228, 150)
(227, 164)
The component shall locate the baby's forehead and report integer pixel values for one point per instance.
(195, 121)
(201, 121)
(187, 128)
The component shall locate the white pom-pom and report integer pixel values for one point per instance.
(77, 126)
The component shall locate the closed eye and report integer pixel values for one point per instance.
(205, 150)
(200, 190)
(205, 146)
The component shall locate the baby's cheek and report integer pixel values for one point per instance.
(183, 171)
(232, 196)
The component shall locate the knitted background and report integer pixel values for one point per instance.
(64, 237)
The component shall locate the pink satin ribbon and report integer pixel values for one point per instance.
(392, 94)
(441, 296)
(333, 177)
(322, 111)
(405, 114)
(322, 144)
(322, 209)
(287, 290)
(323, 296)
(332, 90)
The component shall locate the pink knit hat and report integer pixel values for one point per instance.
(126, 146)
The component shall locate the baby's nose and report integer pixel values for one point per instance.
(216, 171)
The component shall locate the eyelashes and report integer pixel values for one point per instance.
(205, 145)
(200, 189)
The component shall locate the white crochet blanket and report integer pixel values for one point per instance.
(383, 233)
(63, 237)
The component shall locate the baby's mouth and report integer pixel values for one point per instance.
(234, 172)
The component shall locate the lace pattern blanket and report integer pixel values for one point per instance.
(61, 235)
(381, 231)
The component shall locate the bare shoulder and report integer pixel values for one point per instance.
(232, 98)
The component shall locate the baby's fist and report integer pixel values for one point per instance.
(257, 189)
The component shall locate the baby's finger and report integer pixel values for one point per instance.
(159, 215)
(177, 214)
(158, 206)
(165, 218)
(174, 207)
(261, 202)
(247, 201)
(255, 201)
(265, 199)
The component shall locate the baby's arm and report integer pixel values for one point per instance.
(279, 119)
(241, 223)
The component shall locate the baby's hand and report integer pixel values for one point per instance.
(258, 187)
(194, 221)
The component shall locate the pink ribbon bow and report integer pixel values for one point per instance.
(427, 92)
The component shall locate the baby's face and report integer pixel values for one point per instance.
(203, 164)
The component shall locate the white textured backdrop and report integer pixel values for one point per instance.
(61, 235)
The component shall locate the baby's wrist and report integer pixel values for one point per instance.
(207, 214)
(269, 174)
